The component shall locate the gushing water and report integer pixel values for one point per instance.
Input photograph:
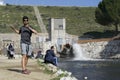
(77, 50)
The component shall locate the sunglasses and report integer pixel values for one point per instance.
(25, 20)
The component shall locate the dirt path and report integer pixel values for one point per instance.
(11, 70)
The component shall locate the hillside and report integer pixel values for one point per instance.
(13, 15)
(79, 20)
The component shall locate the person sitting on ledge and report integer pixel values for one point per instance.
(50, 57)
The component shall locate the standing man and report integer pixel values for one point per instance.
(25, 43)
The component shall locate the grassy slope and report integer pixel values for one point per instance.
(13, 15)
(79, 20)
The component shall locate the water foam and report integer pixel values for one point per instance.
(77, 50)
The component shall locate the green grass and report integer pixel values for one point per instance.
(79, 20)
(13, 15)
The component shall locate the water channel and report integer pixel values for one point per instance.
(91, 69)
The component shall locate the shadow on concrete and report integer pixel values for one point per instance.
(15, 70)
(98, 35)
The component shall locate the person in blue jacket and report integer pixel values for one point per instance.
(50, 56)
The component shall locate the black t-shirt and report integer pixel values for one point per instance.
(26, 34)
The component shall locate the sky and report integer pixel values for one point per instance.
(83, 3)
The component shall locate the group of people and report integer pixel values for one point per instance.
(26, 49)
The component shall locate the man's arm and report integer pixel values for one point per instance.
(34, 31)
(17, 31)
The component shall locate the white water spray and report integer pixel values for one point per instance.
(77, 50)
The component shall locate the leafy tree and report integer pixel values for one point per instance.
(108, 13)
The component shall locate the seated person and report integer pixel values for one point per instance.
(11, 52)
(50, 56)
(39, 55)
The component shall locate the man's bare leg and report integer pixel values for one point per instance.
(23, 62)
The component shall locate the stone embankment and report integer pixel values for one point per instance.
(100, 48)
(58, 73)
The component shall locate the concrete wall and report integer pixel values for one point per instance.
(58, 31)
(102, 49)
(14, 38)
